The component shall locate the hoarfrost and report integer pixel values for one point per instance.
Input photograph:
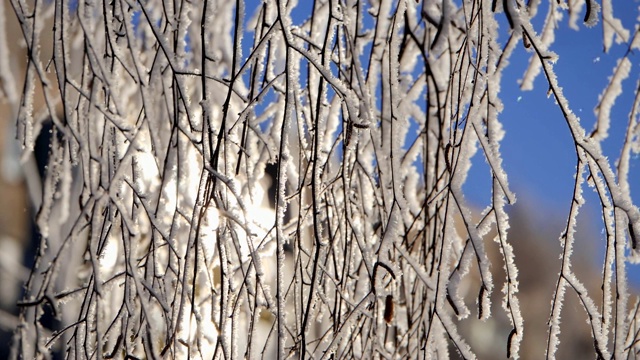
(611, 26)
(163, 238)
(608, 98)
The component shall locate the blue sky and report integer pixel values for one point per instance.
(545, 173)
(537, 150)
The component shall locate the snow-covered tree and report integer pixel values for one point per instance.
(160, 238)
